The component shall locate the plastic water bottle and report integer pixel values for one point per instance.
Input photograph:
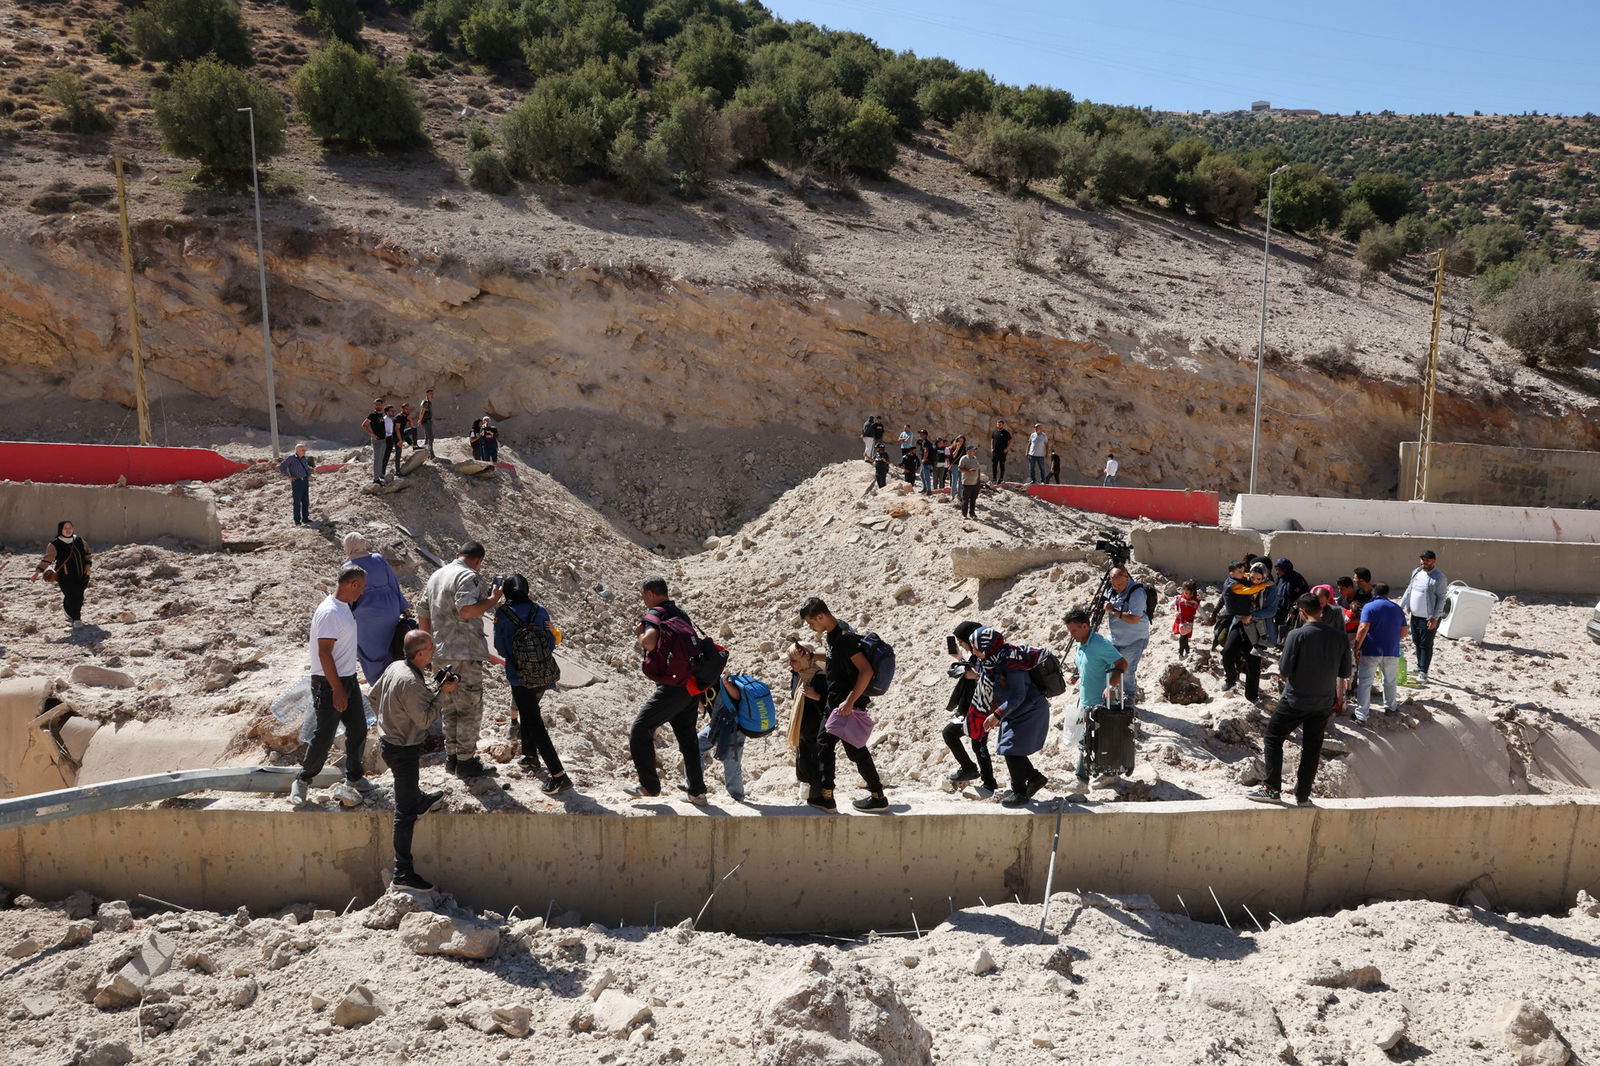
(1402, 672)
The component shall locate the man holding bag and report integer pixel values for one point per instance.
(849, 673)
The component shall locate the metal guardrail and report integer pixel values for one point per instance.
(22, 811)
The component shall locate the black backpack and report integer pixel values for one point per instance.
(533, 652)
(1047, 676)
(1151, 598)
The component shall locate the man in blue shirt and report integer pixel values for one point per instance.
(1099, 667)
(298, 469)
(1383, 627)
(1126, 604)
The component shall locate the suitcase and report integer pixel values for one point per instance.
(1108, 741)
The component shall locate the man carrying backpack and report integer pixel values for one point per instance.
(849, 673)
(1128, 620)
(668, 641)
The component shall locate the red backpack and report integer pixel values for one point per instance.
(669, 663)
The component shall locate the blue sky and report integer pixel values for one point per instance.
(1193, 55)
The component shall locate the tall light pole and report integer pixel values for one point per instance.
(261, 263)
(1261, 339)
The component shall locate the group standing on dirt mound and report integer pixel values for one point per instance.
(929, 459)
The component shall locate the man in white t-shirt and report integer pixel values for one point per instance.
(1038, 449)
(1110, 479)
(1424, 602)
(336, 692)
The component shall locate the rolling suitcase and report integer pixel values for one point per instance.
(1108, 737)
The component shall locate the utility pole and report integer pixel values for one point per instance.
(1430, 386)
(140, 404)
(261, 264)
(1261, 338)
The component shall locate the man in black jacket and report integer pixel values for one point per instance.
(999, 441)
(1291, 586)
(849, 673)
(1316, 663)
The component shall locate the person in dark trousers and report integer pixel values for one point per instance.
(969, 478)
(298, 469)
(978, 767)
(427, 418)
(406, 422)
(880, 465)
(336, 692)
(1315, 664)
(1291, 586)
(376, 429)
(491, 441)
(671, 704)
(1055, 468)
(808, 693)
(407, 706)
(517, 611)
(999, 443)
(1013, 709)
(1238, 649)
(849, 674)
(67, 561)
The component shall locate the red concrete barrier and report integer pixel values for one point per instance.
(104, 464)
(1159, 505)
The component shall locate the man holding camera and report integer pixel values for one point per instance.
(407, 706)
(335, 692)
(451, 612)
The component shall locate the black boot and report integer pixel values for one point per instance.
(406, 877)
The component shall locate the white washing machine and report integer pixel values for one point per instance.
(1467, 612)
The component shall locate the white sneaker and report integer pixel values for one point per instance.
(299, 793)
(1422, 677)
(346, 794)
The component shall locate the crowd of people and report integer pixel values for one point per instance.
(935, 461)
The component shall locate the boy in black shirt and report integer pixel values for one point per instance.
(849, 672)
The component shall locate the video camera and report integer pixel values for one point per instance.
(444, 677)
(1116, 547)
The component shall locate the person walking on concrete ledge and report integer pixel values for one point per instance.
(335, 692)
(407, 707)
(297, 468)
(1424, 602)
(452, 611)
(849, 674)
(67, 561)
(668, 640)
(1315, 662)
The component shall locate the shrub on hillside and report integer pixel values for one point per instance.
(1389, 196)
(696, 139)
(1379, 249)
(1356, 220)
(337, 19)
(852, 134)
(199, 118)
(177, 31)
(78, 107)
(1493, 243)
(895, 86)
(490, 33)
(1004, 149)
(1304, 199)
(711, 59)
(1229, 194)
(1035, 106)
(103, 36)
(950, 98)
(1075, 154)
(439, 21)
(1548, 315)
(637, 165)
(351, 100)
(565, 125)
(487, 171)
(1122, 168)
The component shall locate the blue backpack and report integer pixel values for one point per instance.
(755, 713)
(881, 655)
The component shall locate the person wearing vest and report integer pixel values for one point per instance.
(67, 561)
(297, 468)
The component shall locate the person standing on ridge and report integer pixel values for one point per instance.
(668, 641)
(1038, 448)
(999, 442)
(67, 561)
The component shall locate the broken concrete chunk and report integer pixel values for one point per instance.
(128, 984)
(616, 1012)
(436, 934)
(1335, 974)
(388, 909)
(114, 916)
(100, 677)
(358, 1007)
(983, 962)
(77, 933)
(1531, 1035)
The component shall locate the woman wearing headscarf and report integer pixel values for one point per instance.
(378, 610)
(67, 562)
(1007, 700)
(808, 691)
(519, 610)
(958, 728)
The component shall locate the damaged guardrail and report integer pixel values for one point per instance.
(109, 795)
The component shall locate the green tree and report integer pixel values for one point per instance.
(895, 86)
(1004, 149)
(337, 19)
(564, 127)
(78, 106)
(696, 138)
(491, 34)
(486, 170)
(950, 98)
(198, 117)
(1548, 315)
(636, 164)
(176, 31)
(1389, 196)
(1358, 218)
(1122, 168)
(1036, 106)
(351, 100)
(1305, 198)
(711, 59)
(1230, 192)
(1493, 242)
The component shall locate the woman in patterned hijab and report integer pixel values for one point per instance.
(1007, 700)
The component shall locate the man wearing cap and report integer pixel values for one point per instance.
(1038, 448)
(1424, 602)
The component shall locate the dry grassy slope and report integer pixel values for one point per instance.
(389, 276)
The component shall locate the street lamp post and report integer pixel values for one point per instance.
(1261, 339)
(261, 263)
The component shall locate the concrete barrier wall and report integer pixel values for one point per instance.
(1491, 474)
(1158, 505)
(1500, 566)
(1319, 514)
(104, 464)
(804, 872)
(103, 515)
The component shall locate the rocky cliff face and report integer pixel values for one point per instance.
(353, 318)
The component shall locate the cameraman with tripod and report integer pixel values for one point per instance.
(1127, 604)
